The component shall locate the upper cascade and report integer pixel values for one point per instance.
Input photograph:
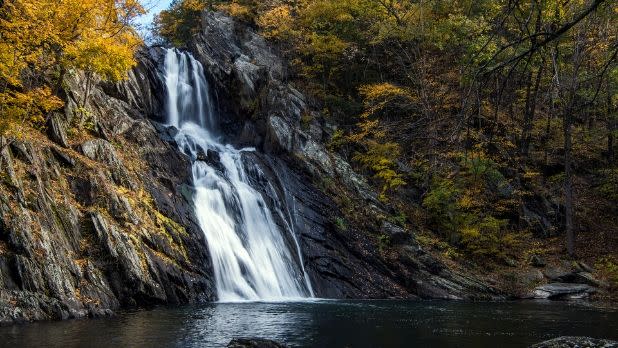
(188, 97)
(252, 258)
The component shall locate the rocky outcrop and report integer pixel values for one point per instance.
(56, 130)
(99, 223)
(565, 281)
(563, 291)
(574, 342)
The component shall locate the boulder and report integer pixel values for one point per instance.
(563, 291)
(396, 234)
(587, 278)
(537, 261)
(559, 272)
(585, 267)
(576, 342)
(573, 274)
(254, 343)
(166, 133)
(532, 277)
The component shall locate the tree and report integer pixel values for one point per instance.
(179, 21)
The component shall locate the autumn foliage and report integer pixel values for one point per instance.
(42, 40)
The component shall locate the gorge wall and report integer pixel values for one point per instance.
(95, 221)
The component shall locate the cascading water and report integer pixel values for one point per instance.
(250, 256)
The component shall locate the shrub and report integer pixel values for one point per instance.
(608, 266)
(609, 184)
(460, 206)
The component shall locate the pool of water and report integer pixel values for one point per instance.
(387, 323)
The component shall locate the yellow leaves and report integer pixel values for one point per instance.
(105, 47)
(326, 47)
(80, 34)
(367, 128)
(236, 10)
(384, 96)
(381, 91)
(466, 202)
(110, 58)
(129, 9)
(381, 159)
(277, 23)
(31, 106)
(380, 156)
(45, 100)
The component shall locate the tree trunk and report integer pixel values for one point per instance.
(611, 128)
(568, 183)
(610, 146)
(531, 92)
(531, 97)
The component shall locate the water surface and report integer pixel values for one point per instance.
(327, 324)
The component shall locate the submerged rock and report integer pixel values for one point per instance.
(254, 343)
(576, 342)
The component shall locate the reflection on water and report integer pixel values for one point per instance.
(327, 324)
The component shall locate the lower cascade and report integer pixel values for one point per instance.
(250, 256)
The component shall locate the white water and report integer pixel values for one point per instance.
(251, 259)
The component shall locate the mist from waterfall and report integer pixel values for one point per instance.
(250, 256)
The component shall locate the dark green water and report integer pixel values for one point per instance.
(328, 324)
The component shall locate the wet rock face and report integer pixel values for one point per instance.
(92, 226)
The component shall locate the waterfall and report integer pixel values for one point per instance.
(250, 256)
